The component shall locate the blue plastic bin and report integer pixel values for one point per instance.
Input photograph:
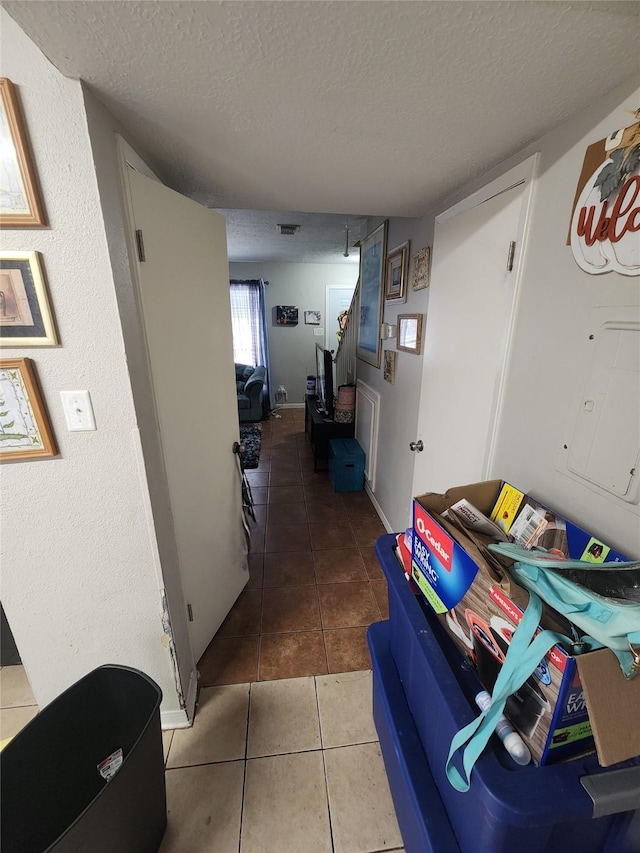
(508, 808)
(346, 465)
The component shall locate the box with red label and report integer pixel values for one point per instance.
(481, 607)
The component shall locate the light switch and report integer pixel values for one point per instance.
(78, 410)
(318, 333)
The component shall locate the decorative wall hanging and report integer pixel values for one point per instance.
(421, 269)
(390, 361)
(20, 203)
(312, 318)
(286, 315)
(25, 313)
(25, 431)
(395, 287)
(373, 253)
(606, 210)
(410, 333)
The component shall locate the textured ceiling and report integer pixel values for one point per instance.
(376, 107)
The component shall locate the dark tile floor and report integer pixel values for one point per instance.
(315, 582)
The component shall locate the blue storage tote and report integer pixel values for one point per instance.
(508, 808)
(346, 465)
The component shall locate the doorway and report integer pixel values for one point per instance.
(477, 255)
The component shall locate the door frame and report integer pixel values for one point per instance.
(174, 608)
(525, 174)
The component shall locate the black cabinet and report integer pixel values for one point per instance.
(320, 429)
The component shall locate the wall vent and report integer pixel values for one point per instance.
(287, 230)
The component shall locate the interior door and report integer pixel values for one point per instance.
(184, 294)
(468, 324)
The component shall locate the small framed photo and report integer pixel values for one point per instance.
(389, 368)
(312, 318)
(409, 333)
(421, 269)
(20, 203)
(25, 313)
(286, 315)
(25, 431)
(395, 287)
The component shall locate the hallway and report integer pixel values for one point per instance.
(315, 581)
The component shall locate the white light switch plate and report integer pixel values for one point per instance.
(78, 410)
(318, 333)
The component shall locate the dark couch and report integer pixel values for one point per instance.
(249, 384)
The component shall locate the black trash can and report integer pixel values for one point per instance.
(55, 797)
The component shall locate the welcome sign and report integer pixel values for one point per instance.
(605, 224)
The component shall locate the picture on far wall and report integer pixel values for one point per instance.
(395, 289)
(312, 318)
(286, 315)
(390, 362)
(373, 253)
(421, 272)
(25, 431)
(20, 203)
(25, 313)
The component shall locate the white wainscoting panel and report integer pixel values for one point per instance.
(367, 418)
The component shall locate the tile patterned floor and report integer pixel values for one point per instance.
(17, 701)
(315, 582)
(285, 766)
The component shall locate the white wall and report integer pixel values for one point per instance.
(292, 349)
(80, 584)
(551, 347)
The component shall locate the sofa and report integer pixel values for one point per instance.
(249, 385)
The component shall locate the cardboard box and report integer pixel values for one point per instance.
(480, 605)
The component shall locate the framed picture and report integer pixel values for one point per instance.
(421, 269)
(395, 287)
(409, 333)
(20, 202)
(312, 318)
(373, 253)
(286, 315)
(390, 361)
(25, 313)
(25, 431)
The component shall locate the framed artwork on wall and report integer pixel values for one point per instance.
(312, 318)
(395, 286)
(390, 361)
(373, 253)
(25, 313)
(25, 431)
(20, 203)
(286, 315)
(409, 333)
(421, 269)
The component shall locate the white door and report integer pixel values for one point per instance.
(338, 300)
(184, 290)
(466, 338)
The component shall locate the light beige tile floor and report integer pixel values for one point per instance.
(18, 705)
(286, 766)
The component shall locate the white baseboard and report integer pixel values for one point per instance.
(289, 406)
(183, 718)
(383, 517)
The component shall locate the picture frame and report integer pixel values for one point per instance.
(286, 315)
(312, 318)
(26, 319)
(409, 337)
(390, 365)
(25, 429)
(373, 253)
(421, 269)
(395, 286)
(20, 201)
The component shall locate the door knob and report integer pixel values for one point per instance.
(416, 445)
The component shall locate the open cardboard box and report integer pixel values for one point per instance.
(573, 700)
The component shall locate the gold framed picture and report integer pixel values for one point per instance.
(20, 202)
(390, 362)
(395, 289)
(373, 253)
(409, 333)
(25, 431)
(25, 313)
(421, 269)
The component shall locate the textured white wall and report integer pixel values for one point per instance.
(292, 349)
(550, 349)
(79, 582)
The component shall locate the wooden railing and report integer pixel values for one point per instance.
(345, 358)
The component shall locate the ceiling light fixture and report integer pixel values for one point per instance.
(287, 230)
(346, 241)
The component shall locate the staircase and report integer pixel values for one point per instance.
(345, 358)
